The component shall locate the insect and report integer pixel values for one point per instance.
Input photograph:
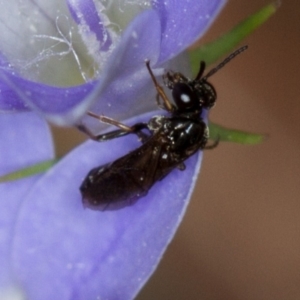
(171, 140)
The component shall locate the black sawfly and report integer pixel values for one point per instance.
(171, 140)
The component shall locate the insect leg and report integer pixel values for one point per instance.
(111, 121)
(102, 137)
(181, 166)
(214, 144)
(124, 129)
(158, 102)
(167, 105)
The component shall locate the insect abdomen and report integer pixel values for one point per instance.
(99, 191)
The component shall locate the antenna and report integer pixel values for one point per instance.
(225, 61)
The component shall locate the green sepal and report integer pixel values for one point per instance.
(29, 171)
(220, 133)
(228, 42)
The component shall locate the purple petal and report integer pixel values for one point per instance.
(54, 102)
(9, 99)
(25, 140)
(85, 13)
(62, 251)
(183, 22)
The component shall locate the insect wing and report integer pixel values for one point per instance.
(124, 181)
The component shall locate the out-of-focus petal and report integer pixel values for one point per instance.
(25, 140)
(53, 102)
(9, 99)
(76, 253)
(21, 146)
(183, 22)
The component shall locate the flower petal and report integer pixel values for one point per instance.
(85, 13)
(62, 251)
(9, 99)
(53, 102)
(183, 22)
(21, 146)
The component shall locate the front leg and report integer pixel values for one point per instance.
(124, 129)
(167, 105)
(101, 137)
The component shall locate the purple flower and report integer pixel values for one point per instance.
(52, 248)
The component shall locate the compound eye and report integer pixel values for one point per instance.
(209, 96)
(184, 96)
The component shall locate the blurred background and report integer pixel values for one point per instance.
(240, 238)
